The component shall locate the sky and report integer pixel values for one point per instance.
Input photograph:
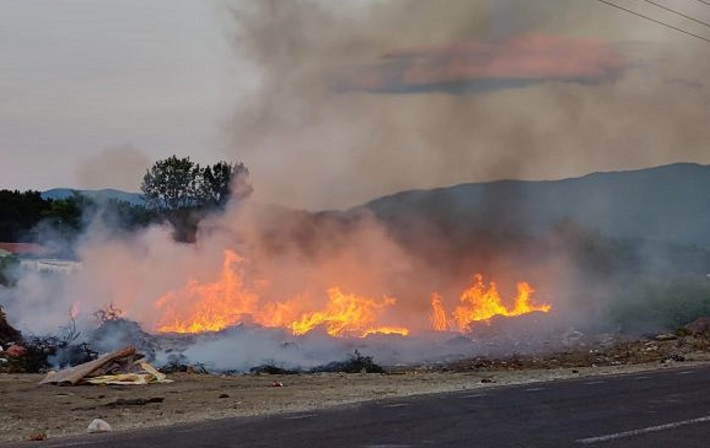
(334, 103)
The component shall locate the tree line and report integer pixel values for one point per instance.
(176, 190)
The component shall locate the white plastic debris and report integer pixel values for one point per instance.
(98, 425)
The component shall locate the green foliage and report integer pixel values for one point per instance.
(223, 181)
(7, 263)
(28, 217)
(65, 216)
(183, 192)
(20, 212)
(668, 304)
(179, 183)
(172, 184)
(129, 217)
(595, 254)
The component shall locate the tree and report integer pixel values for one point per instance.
(19, 213)
(182, 191)
(179, 184)
(172, 184)
(223, 181)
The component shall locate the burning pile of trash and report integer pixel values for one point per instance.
(494, 347)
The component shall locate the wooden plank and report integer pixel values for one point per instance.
(74, 375)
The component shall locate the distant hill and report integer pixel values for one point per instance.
(97, 195)
(670, 203)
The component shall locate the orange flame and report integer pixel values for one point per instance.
(229, 300)
(481, 303)
(348, 315)
(226, 302)
(208, 307)
(74, 311)
(437, 317)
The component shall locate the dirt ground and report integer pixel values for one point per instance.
(27, 408)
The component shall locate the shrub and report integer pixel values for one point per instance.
(357, 363)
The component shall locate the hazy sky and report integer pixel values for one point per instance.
(332, 103)
(84, 79)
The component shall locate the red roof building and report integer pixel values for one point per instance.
(27, 249)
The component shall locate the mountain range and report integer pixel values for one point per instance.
(670, 203)
(97, 195)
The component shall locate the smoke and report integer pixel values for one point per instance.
(311, 143)
(121, 168)
(289, 262)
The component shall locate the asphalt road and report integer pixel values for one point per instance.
(663, 408)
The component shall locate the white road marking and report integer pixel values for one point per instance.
(637, 432)
(685, 372)
(642, 378)
(300, 417)
(474, 396)
(396, 405)
(534, 389)
(590, 383)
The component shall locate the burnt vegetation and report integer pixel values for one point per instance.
(356, 363)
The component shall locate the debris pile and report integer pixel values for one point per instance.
(662, 348)
(699, 326)
(10, 338)
(123, 366)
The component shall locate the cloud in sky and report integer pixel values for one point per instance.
(475, 66)
(591, 95)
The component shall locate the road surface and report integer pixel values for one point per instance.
(662, 408)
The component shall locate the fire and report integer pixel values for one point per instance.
(348, 315)
(226, 302)
(230, 299)
(439, 322)
(209, 307)
(74, 311)
(480, 303)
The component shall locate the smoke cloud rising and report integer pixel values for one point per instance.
(287, 263)
(122, 167)
(346, 101)
(360, 99)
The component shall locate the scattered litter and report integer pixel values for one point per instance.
(666, 337)
(97, 425)
(135, 401)
(277, 384)
(224, 396)
(674, 357)
(123, 366)
(14, 351)
(38, 436)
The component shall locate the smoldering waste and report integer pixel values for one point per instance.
(503, 344)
